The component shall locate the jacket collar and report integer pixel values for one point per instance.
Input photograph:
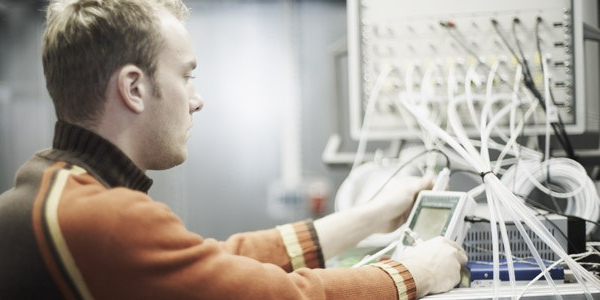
(98, 156)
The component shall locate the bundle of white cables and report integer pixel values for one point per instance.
(499, 196)
(580, 191)
(520, 179)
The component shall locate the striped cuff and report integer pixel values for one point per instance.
(405, 285)
(302, 245)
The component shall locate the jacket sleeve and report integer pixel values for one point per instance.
(290, 246)
(120, 244)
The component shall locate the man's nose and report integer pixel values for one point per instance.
(196, 103)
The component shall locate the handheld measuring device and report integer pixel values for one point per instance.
(437, 213)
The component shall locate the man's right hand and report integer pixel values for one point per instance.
(435, 265)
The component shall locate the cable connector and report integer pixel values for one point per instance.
(474, 219)
(441, 181)
(447, 24)
(416, 240)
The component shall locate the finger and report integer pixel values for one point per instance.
(437, 240)
(462, 258)
(454, 244)
(460, 252)
(408, 249)
(426, 182)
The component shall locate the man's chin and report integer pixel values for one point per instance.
(170, 162)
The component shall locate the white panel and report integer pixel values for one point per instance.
(407, 36)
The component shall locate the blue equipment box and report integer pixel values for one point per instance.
(525, 270)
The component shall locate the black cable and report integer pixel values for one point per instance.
(559, 131)
(548, 184)
(561, 127)
(443, 154)
(454, 34)
(518, 42)
(563, 137)
(449, 26)
(512, 51)
(559, 230)
(546, 208)
(474, 219)
(530, 84)
(527, 78)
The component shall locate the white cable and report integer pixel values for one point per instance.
(440, 133)
(491, 99)
(511, 145)
(495, 248)
(485, 135)
(485, 111)
(365, 182)
(410, 94)
(519, 212)
(493, 203)
(476, 191)
(514, 133)
(494, 212)
(410, 71)
(506, 243)
(487, 108)
(550, 267)
(567, 174)
(455, 122)
(471, 75)
(458, 162)
(441, 181)
(427, 89)
(515, 100)
(365, 260)
(362, 141)
(428, 96)
(524, 152)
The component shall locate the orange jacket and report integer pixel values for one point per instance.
(114, 242)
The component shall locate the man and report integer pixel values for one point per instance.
(79, 224)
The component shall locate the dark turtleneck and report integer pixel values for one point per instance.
(100, 157)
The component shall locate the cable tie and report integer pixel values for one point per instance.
(482, 174)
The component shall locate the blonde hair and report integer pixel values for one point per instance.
(86, 41)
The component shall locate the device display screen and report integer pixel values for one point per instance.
(431, 221)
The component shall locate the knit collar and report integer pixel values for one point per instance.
(100, 156)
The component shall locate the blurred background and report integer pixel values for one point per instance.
(271, 72)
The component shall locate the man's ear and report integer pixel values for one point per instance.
(133, 87)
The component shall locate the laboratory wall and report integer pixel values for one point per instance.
(253, 56)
